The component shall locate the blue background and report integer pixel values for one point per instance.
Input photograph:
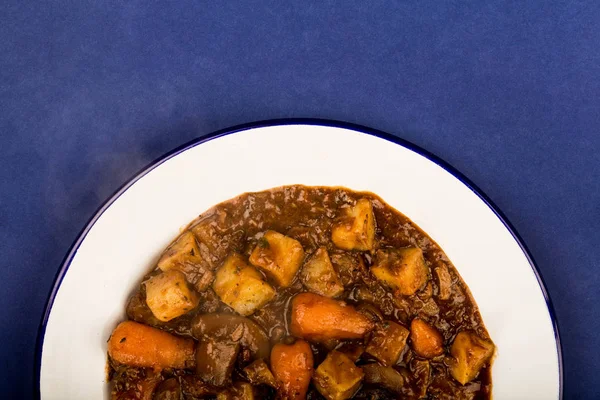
(506, 91)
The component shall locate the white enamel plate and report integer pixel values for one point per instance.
(125, 237)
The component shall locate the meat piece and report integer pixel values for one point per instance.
(232, 328)
(184, 255)
(258, 373)
(421, 370)
(387, 342)
(444, 282)
(215, 361)
(319, 276)
(386, 377)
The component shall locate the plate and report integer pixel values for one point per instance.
(123, 240)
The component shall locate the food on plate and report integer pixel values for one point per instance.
(301, 293)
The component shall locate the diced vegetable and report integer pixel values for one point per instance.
(421, 370)
(239, 391)
(401, 269)
(168, 295)
(319, 276)
(320, 318)
(444, 282)
(471, 353)
(139, 345)
(292, 366)
(184, 255)
(426, 341)
(337, 378)
(258, 373)
(215, 360)
(278, 256)
(388, 342)
(356, 229)
(387, 377)
(229, 327)
(241, 287)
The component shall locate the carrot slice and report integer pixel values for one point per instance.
(292, 366)
(140, 345)
(320, 318)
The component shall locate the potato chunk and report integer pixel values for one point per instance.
(337, 378)
(471, 353)
(426, 341)
(184, 255)
(319, 276)
(168, 295)
(401, 269)
(278, 256)
(241, 287)
(356, 229)
(320, 319)
(387, 342)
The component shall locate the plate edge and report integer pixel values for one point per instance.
(64, 266)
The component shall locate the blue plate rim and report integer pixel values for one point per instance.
(283, 122)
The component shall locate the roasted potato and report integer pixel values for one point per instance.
(355, 230)
(278, 256)
(231, 327)
(470, 353)
(168, 295)
(319, 276)
(387, 377)
(387, 342)
(337, 378)
(401, 269)
(426, 341)
(241, 287)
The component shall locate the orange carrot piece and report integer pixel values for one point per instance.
(426, 340)
(292, 366)
(320, 318)
(140, 345)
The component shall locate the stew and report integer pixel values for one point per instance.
(301, 293)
